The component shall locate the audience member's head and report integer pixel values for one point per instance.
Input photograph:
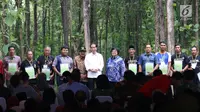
(42, 82)
(129, 75)
(68, 96)
(30, 105)
(1, 80)
(43, 107)
(141, 78)
(102, 82)
(15, 81)
(177, 75)
(12, 101)
(80, 96)
(25, 77)
(93, 103)
(188, 75)
(49, 96)
(21, 96)
(157, 72)
(66, 76)
(76, 75)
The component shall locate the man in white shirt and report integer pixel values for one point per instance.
(94, 64)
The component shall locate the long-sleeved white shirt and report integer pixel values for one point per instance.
(94, 61)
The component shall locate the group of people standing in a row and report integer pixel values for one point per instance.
(91, 65)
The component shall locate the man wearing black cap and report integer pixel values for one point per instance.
(131, 60)
(79, 64)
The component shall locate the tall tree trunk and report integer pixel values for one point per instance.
(107, 18)
(64, 15)
(86, 24)
(162, 22)
(157, 24)
(44, 13)
(35, 25)
(4, 26)
(27, 15)
(18, 30)
(197, 21)
(170, 26)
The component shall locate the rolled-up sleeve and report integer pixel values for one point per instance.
(55, 62)
(86, 62)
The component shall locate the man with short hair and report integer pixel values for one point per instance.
(30, 66)
(148, 62)
(11, 64)
(165, 59)
(131, 62)
(62, 63)
(94, 64)
(179, 60)
(79, 64)
(45, 62)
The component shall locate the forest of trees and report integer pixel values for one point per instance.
(34, 24)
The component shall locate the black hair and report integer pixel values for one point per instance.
(49, 96)
(157, 72)
(30, 105)
(177, 45)
(41, 82)
(131, 47)
(21, 96)
(115, 49)
(194, 47)
(102, 82)
(25, 76)
(15, 80)
(66, 76)
(93, 44)
(63, 47)
(76, 75)
(68, 96)
(11, 46)
(177, 75)
(129, 75)
(188, 75)
(80, 96)
(163, 42)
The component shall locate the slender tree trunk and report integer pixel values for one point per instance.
(107, 18)
(3, 26)
(86, 24)
(64, 15)
(35, 25)
(162, 22)
(197, 21)
(170, 26)
(44, 13)
(157, 24)
(27, 15)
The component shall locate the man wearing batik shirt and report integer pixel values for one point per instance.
(45, 62)
(115, 67)
(165, 59)
(148, 62)
(61, 64)
(11, 64)
(131, 62)
(79, 64)
(179, 60)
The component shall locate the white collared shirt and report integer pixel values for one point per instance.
(94, 61)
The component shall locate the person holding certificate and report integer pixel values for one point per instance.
(45, 64)
(164, 58)
(61, 64)
(94, 64)
(30, 66)
(148, 62)
(131, 61)
(11, 64)
(194, 59)
(115, 67)
(179, 60)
